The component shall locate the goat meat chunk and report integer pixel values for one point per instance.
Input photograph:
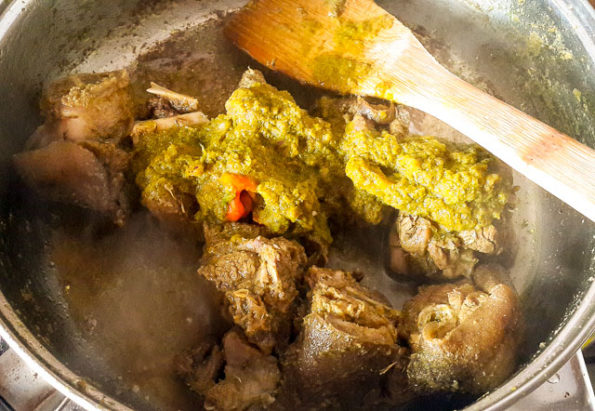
(90, 177)
(258, 276)
(88, 107)
(463, 337)
(347, 340)
(251, 377)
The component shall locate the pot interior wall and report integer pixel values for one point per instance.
(526, 53)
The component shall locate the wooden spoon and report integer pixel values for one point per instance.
(356, 47)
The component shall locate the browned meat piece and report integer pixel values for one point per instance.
(86, 107)
(348, 339)
(398, 258)
(416, 249)
(217, 236)
(261, 323)
(113, 158)
(267, 267)
(463, 339)
(171, 206)
(317, 275)
(282, 262)
(237, 377)
(409, 240)
(91, 177)
(415, 233)
(251, 377)
(95, 112)
(451, 258)
(483, 239)
(258, 276)
(201, 366)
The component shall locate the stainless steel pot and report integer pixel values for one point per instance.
(538, 56)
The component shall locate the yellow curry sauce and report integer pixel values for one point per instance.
(308, 170)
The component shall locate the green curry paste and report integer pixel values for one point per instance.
(307, 170)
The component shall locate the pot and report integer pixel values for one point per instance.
(101, 315)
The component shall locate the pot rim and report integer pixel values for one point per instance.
(40, 360)
(581, 324)
(569, 339)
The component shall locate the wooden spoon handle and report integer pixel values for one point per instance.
(558, 163)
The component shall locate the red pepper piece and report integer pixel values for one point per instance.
(242, 203)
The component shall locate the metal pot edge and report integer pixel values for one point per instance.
(542, 367)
